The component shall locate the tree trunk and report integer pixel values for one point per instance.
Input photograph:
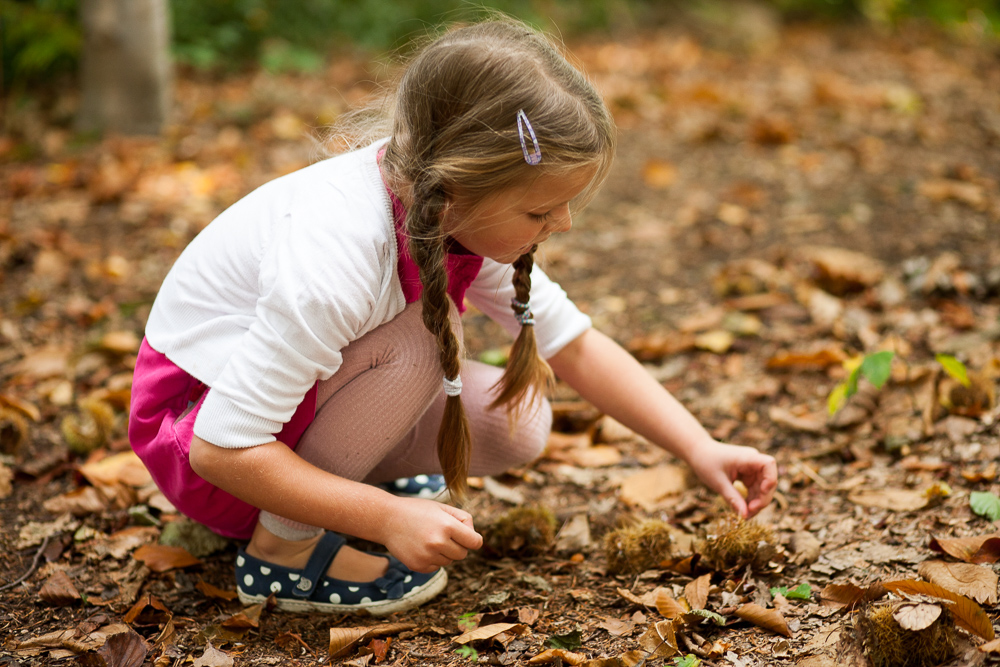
(126, 69)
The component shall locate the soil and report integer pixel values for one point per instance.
(707, 254)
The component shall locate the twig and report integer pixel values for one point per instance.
(31, 570)
(813, 475)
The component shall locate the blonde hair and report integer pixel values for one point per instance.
(454, 128)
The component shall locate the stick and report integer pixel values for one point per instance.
(34, 566)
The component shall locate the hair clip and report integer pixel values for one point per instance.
(453, 387)
(535, 156)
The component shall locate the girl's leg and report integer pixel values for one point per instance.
(386, 382)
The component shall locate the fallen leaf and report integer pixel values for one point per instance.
(991, 646)
(817, 359)
(916, 616)
(27, 408)
(215, 592)
(850, 595)
(788, 419)
(558, 654)
(668, 607)
(769, 619)
(574, 535)
(7, 481)
(696, 592)
(840, 271)
(123, 468)
(659, 174)
(967, 613)
(490, 631)
(596, 456)
(45, 362)
(897, 500)
(650, 487)
(125, 649)
(979, 549)
(974, 581)
(512, 496)
(78, 502)
(213, 657)
(985, 504)
(718, 341)
(58, 590)
(160, 558)
(342, 640)
(148, 610)
(659, 640)
(121, 342)
(617, 627)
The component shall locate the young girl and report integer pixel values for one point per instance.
(307, 347)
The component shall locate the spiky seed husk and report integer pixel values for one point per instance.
(734, 543)
(91, 428)
(524, 531)
(887, 644)
(638, 548)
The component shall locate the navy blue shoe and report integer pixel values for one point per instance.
(309, 589)
(431, 487)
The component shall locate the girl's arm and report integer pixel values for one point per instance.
(423, 534)
(613, 381)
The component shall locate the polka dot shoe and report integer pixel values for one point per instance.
(431, 487)
(308, 589)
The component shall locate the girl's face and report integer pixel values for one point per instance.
(508, 223)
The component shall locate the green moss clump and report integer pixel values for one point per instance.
(734, 543)
(638, 548)
(524, 531)
(886, 644)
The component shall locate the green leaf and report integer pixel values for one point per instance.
(690, 660)
(954, 368)
(877, 367)
(494, 357)
(852, 382)
(801, 592)
(569, 642)
(837, 398)
(985, 504)
(468, 652)
(466, 621)
(710, 615)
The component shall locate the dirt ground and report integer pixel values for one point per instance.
(747, 166)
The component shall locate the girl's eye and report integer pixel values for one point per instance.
(540, 217)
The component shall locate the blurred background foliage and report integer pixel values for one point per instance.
(40, 40)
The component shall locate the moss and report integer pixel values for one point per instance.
(525, 531)
(638, 548)
(886, 644)
(734, 543)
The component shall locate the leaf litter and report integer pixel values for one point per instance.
(772, 216)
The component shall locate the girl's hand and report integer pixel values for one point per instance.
(718, 465)
(426, 535)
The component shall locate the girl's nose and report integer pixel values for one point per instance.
(562, 221)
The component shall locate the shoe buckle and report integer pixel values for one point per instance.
(304, 584)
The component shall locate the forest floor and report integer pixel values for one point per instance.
(783, 202)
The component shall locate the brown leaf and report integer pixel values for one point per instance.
(979, 549)
(78, 502)
(125, 649)
(668, 607)
(974, 581)
(659, 640)
(213, 657)
(840, 271)
(819, 359)
(652, 486)
(967, 613)
(696, 592)
(850, 595)
(124, 468)
(788, 419)
(491, 631)
(342, 640)
(769, 619)
(618, 627)
(897, 500)
(991, 646)
(215, 592)
(916, 616)
(58, 590)
(160, 558)
(27, 408)
(6, 481)
(246, 619)
(121, 342)
(597, 456)
(148, 610)
(558, 654)
(44, 362)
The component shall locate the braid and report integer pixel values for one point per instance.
(427, 250)
(527, 375)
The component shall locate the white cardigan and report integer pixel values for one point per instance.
(260, 304)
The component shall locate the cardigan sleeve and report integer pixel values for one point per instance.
(557, 319)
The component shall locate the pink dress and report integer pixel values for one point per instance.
(166, 401)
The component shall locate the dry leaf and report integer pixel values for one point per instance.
(121, 342)
(659, 174)
(979, 549)
(659, 640)
(214, 592)
(597, 456)
(897, 500)
(160, 558)
(850, 595)
(78, 502)
(650, 487)
(246, 619)
(58, 590)
(558, 654)
(27, 408)
(840, 270)
(817, 359)
(967, 613)
(696, 592)
(788, 419)
(769, 619)
(6, 482)
(617, 627)
(974, 581)
(991, 646)
(148, 610)
(342, 640)
(916, 616)
(491, 631)
(668, 607)
(44, 362)
(125, 649)
(718, 341)
(213, 657)
(124, 468)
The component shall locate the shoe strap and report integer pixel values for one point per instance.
(319, 563)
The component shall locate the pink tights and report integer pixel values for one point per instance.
(377, 418)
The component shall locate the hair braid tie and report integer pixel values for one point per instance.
(452, 387)
(522, 313)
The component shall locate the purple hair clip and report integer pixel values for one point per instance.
(535, 156)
